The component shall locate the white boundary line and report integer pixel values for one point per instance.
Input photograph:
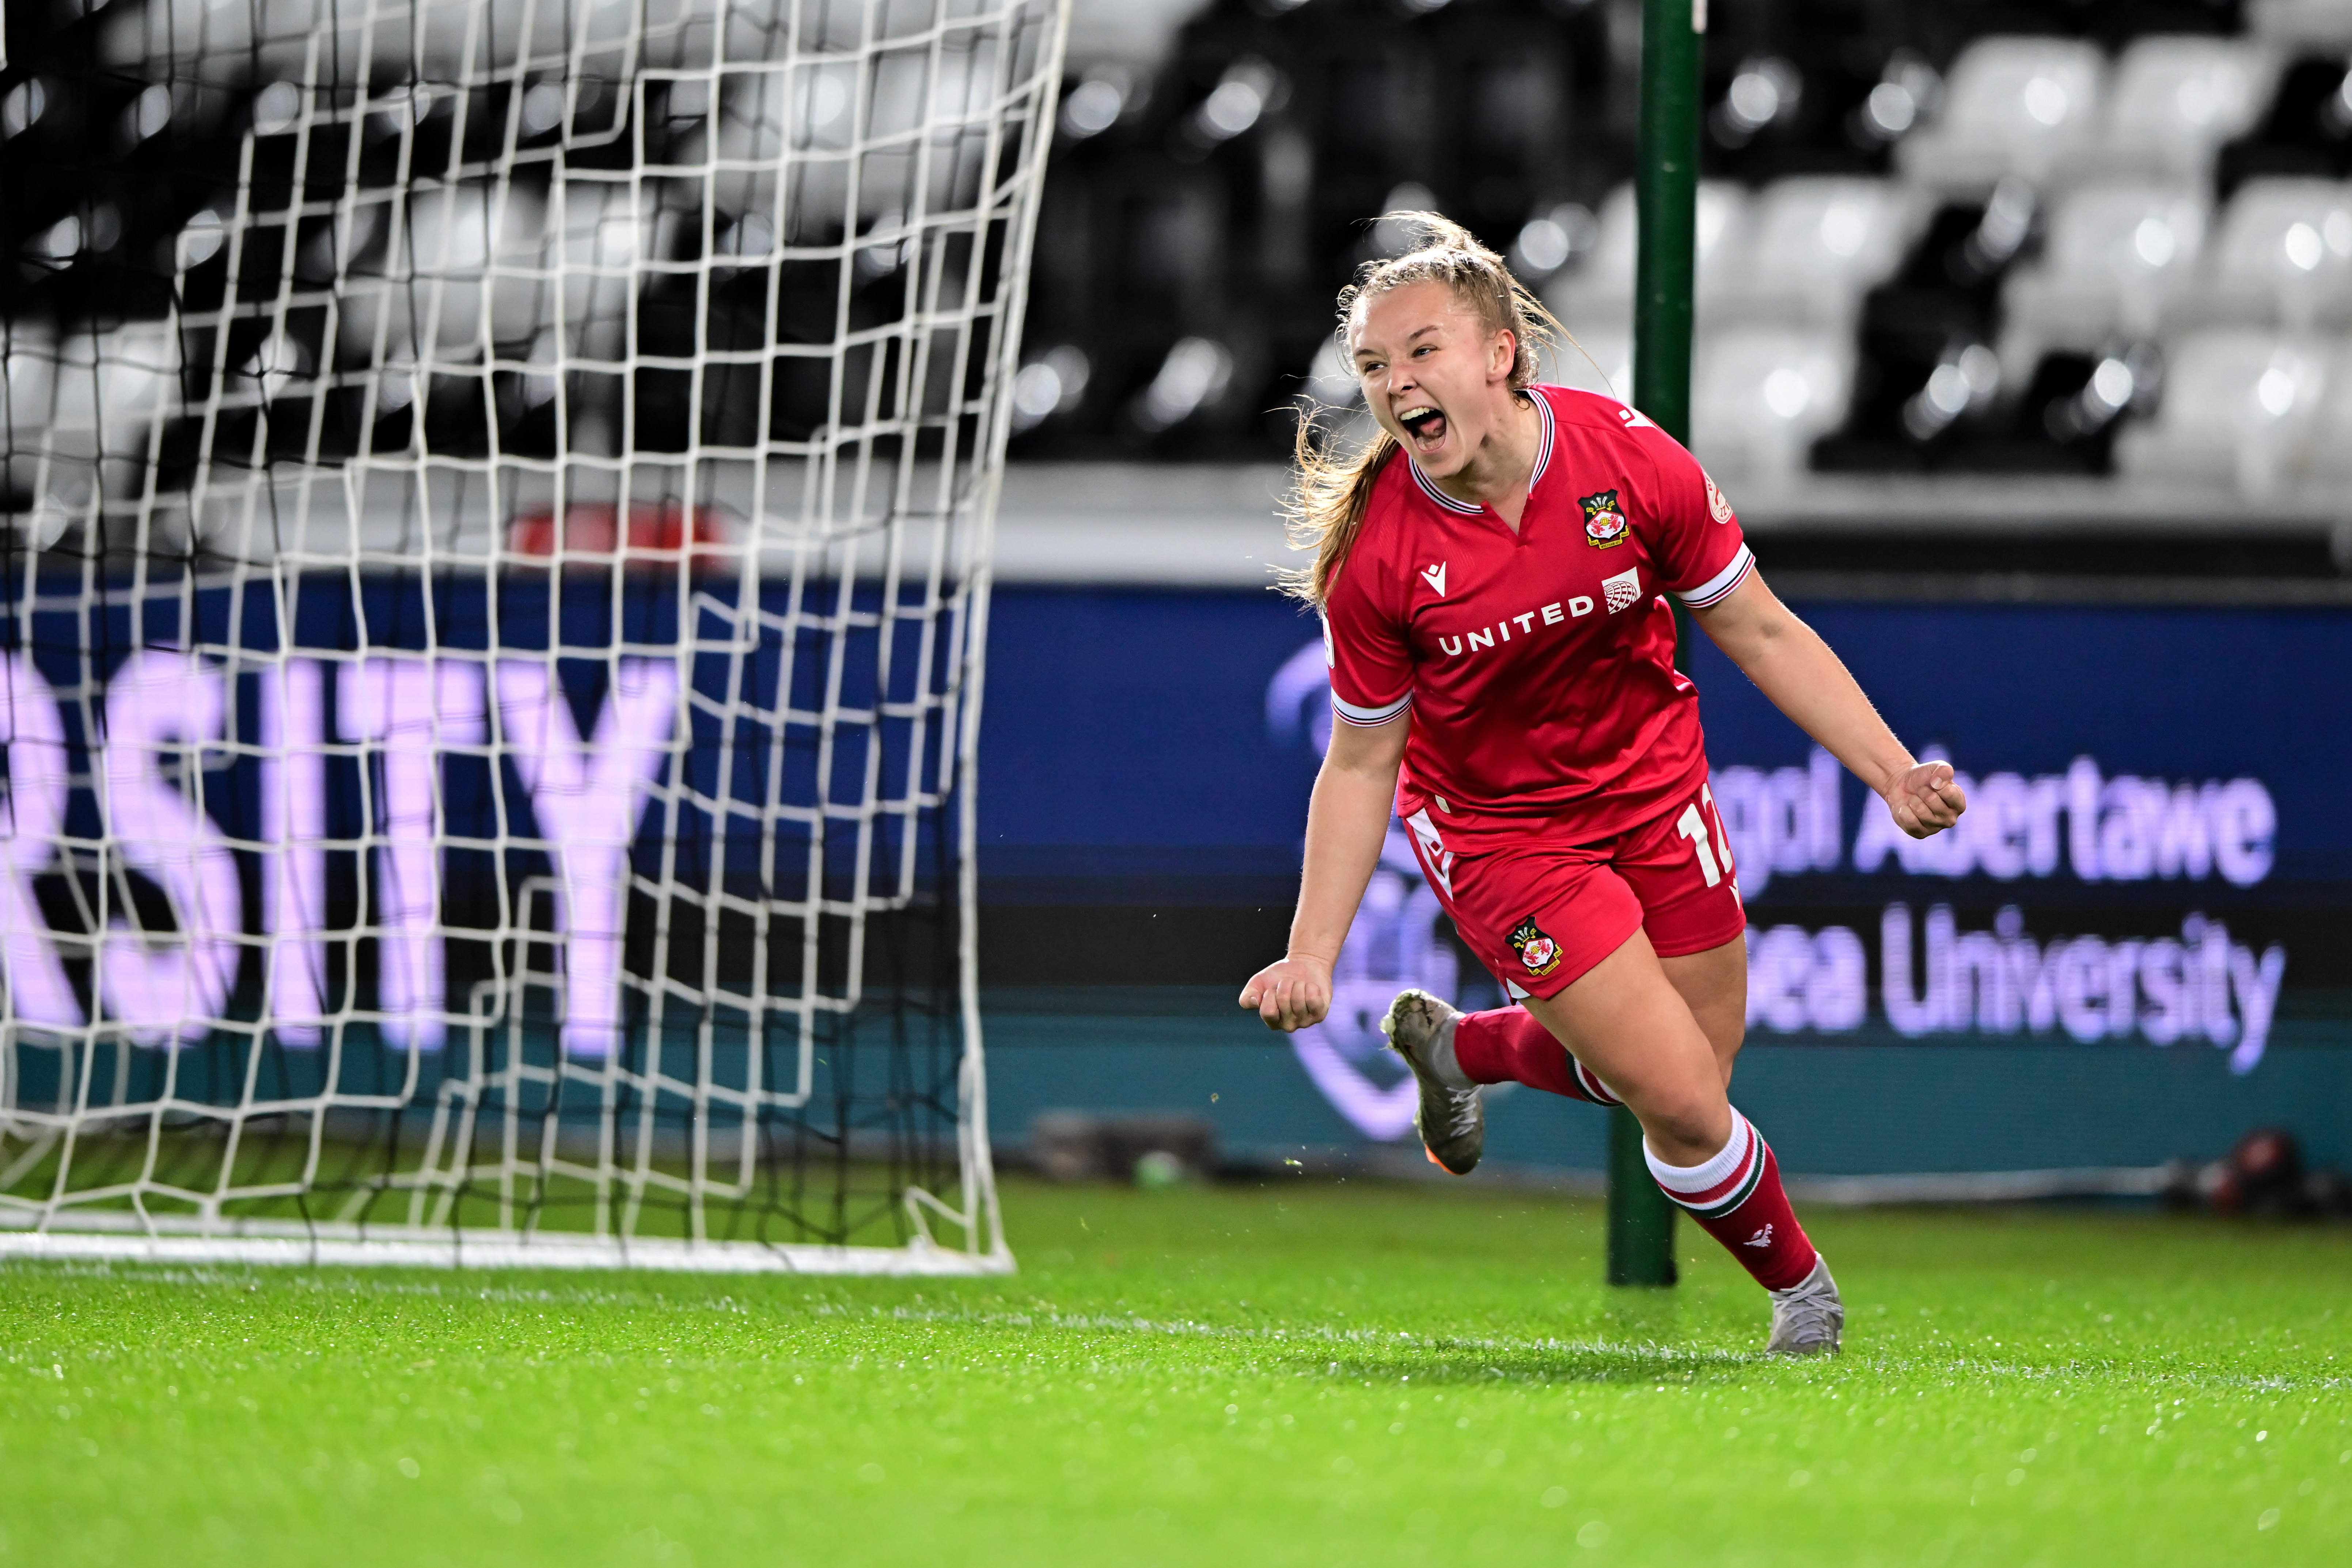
(459, 1251)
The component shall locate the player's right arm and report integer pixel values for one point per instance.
(1347, 824)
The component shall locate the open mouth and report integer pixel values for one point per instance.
(1425, 425)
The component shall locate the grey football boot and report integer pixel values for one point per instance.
(1808, 1316)
(1450, 1122)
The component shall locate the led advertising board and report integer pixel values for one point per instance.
(212, 797)
(271, 808)
(2152, 858)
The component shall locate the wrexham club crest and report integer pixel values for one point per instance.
(1605, 521)
(1536, 950)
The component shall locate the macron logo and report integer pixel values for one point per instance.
(1435, 577)
(1761, 1238)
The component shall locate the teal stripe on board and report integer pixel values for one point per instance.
(1827, 1109)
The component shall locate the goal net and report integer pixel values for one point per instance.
(499, 496)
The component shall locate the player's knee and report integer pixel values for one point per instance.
(1689, 1115)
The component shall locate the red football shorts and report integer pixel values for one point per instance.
(1540, 911)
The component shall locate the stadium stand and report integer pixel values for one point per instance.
(1981, 229)
(2242, 408)
(2318, 24)
(1983, 238)
(1600, 290)
(2117, 256)
(2283, 257)
(1812, 246)
(2172, 103)
(2013, 106)
(1761, 395)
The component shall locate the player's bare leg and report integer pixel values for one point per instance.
(1626, 1021)
(1630, 1021)
(1713, 985)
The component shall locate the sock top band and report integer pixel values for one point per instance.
(1719, 1183)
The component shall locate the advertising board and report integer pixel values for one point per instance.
(2151, 860)
(2153, 886)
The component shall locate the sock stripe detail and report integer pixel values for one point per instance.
(1722, 1184)
(1753, 1173)
(1592, 1086)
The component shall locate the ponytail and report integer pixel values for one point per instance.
(1325, 510)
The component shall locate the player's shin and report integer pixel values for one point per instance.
(1736, 1198)
(1509, 1044)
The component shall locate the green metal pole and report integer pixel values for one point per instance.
(1666, 193)
(1641, 1220)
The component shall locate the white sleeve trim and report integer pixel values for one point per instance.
(1367, 717)
(1715, 587)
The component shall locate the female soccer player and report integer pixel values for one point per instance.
(1491, 571)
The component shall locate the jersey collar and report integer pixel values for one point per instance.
(1543, 460)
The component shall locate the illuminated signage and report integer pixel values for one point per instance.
(165, 719)
(1936, 974)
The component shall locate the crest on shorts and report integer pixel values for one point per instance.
(1605, 527)
(1536, 950)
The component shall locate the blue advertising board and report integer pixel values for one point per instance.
(2137, 942)
(2151, 863)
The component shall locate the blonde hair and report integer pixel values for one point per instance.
(1325, 508)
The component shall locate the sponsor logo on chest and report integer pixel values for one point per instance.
(1617, 593)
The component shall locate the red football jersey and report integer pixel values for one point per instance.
(1539, 664)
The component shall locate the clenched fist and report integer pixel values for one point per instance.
(1290, 995)
(1926, 800)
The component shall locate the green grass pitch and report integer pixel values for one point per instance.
(1297, 1373)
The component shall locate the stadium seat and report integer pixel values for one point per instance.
(2326, 24)
(2282, 257)
(1760, 396)
(2011, 106)
(2239, 408)
(2330, 460)
(2172, 102)
(1605, 366)
(1813, 246)
(1598, 296)
(2117, 255)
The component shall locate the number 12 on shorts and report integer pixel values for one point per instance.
(1693, 826)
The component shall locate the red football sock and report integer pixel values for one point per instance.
(1508, 1046)
(1736, 1198)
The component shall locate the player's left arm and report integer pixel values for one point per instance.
(1792, 665)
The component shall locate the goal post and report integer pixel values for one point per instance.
(501, 497)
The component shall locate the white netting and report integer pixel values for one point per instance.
(501, 498)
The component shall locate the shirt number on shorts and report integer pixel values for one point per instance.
(1692, 826)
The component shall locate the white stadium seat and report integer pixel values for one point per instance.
(1813, 245)
(2282, 256)
(2117, 255)
(2240, 407)
(2172, 102)
(1598, 296)
(2330, 460)
(1760, 396)
(1605, 363)
(2011, 106)
(2326, 24)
